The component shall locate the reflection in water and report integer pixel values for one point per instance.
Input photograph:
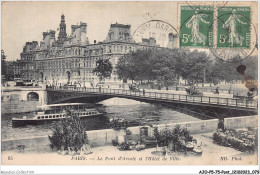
(135, 112)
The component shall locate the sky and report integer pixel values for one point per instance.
(25, 21)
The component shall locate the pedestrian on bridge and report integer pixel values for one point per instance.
(230, 90)
(217, 91)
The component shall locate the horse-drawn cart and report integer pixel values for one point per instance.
(193, 91)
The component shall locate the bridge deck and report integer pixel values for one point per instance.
(218, 101)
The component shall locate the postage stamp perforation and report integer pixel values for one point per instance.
(205, 3)
(237, 16)
(238, 44)
(243, 52)
(192, 34)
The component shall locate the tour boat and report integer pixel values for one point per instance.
(55, 113)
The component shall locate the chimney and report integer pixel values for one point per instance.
(73, 27)
(44, 34)
(52, 33)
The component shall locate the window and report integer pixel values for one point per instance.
(38, 117)
(46, 116)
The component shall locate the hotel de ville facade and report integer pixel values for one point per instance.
(70, 59)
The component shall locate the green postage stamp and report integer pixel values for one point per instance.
(229, 29)
(195, 26)
(233, 27)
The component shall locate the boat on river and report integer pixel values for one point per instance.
(56, 112)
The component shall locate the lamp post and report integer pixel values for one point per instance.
(84, 78)
(204, 76)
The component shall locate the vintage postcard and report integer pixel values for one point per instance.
(129, 83)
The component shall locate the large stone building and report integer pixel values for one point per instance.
(71, 58)
(13, 70)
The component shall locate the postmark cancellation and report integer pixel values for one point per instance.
(225, 29)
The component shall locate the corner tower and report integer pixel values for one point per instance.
(119, 32)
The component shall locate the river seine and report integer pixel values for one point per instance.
(136, 113)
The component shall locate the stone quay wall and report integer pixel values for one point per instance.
(104, 137)
(19, 107)
(15, 99)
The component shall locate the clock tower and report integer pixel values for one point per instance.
(62, 34)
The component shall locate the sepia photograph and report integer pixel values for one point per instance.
(129, 83)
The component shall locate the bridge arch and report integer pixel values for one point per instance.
(32, 96)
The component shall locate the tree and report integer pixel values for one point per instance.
(126, 68)
(174, 136)
(166, 66)
(193, 65)
(68, 133)
(148, 65)
(104, 69)
(135, 65)
(227, 71)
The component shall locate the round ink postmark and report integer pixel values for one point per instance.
(157, 32)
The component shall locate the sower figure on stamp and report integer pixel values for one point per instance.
(194, 24)
(230, 25)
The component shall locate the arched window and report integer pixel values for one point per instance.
(32, 96)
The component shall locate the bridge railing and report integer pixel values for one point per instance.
(165, 96)
(207, 89)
